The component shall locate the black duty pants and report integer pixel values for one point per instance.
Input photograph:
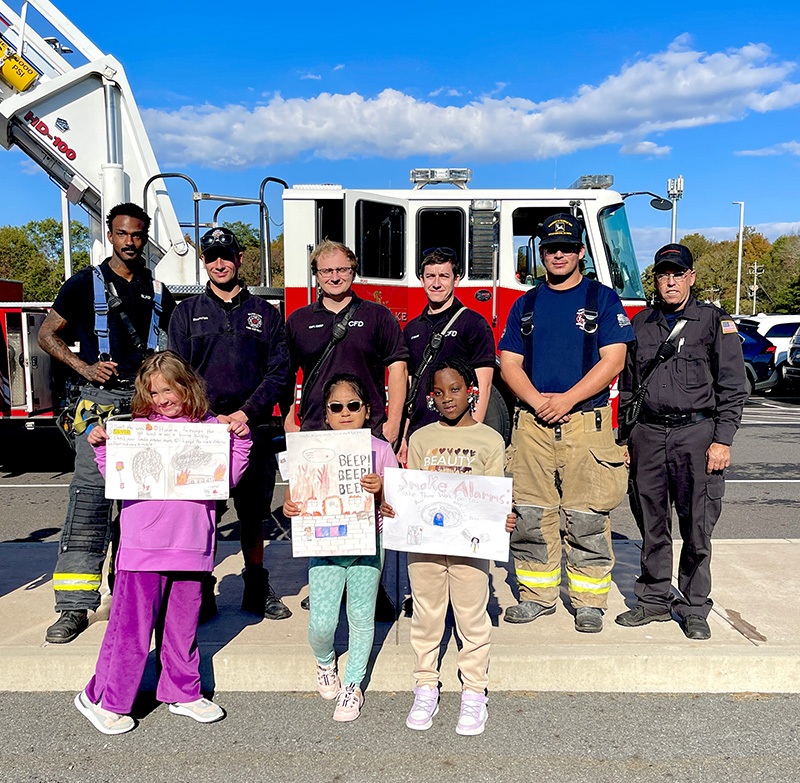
(668, 467)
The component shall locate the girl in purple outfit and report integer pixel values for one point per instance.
(165, 547)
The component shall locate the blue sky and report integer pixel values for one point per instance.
(527, 95)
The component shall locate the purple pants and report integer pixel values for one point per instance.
(142, 600)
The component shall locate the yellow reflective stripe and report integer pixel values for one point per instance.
(76, 581)
(585, 584)
(61, 588)
(86, 577)
(539, 578)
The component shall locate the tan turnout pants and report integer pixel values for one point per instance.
(578, 468)
(439, 580)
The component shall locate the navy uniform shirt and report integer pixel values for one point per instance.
(75, 304)
(469, 339)
(706, 373)
(238, 347)
(373, 342)
(558, 335)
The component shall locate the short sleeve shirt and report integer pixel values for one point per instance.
(470, 339)
(373, 341)
(75, 304)
(558, 335)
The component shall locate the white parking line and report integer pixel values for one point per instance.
(30, 486)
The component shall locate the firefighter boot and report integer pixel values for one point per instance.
(67, 627)
(259, 598)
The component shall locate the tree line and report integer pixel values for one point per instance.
(34, 254)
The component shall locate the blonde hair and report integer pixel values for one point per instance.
(328, 246)
(179, 374)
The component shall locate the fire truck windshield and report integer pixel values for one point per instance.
(621, 255)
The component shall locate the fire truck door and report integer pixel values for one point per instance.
(38, 390)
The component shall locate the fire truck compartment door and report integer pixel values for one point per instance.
(38, 389)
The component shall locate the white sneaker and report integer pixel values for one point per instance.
(201, 710)
(103, 720)
(328, 682)
(472, 719)
(426, 705)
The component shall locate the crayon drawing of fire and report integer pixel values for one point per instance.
(182, 479)
(219, 472)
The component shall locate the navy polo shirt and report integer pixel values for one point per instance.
(469, 339)
(373, 341)
(558, 335)
(75, 304)
(238, 347)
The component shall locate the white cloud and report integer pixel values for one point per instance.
(434, 93)
(645, 148)
(314, 76)
(785, 148)
(668, 91)
(452, 93)
(338, 67)
(29, 168)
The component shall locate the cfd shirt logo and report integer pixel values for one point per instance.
(254, 322)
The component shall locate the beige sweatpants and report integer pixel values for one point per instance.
(439, 580)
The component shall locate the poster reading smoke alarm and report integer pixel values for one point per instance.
(167, 461)
(337, 516)
(447, 513)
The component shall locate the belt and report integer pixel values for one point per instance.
(673, 419)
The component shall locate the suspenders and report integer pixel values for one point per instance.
(105, 300)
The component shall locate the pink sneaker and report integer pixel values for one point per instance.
(426, 705)
(348, 704)
(328, 682)
(472, 719)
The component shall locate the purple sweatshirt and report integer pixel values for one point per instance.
(172, 535)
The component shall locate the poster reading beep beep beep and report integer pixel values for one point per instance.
(337, 515)
(167, 461)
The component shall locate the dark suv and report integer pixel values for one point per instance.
(759, 359)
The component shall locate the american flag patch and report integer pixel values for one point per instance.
(728, 327)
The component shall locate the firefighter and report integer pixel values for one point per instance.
(563, 344)
(237, 343)
(118, 314)
(681, 443)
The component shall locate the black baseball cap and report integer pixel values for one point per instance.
(673, 255)
(562, 229)
(217, 242)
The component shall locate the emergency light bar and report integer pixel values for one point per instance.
(593, 181)
(457, 177)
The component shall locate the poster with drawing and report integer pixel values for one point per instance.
(167, 461)
(337, 515)
(447, 513)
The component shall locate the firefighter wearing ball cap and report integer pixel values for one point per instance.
(681, 441)
(564, 343)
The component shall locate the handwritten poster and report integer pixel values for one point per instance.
(447, 513)
(337, 515)
(167, 461)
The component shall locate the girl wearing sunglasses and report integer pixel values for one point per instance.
(346, 408)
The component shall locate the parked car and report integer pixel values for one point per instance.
(792, 369)
(759, 359)
(779, 330)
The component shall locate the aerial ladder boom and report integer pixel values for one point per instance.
(82, 126)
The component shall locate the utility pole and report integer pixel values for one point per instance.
(755, 269)
(675, 191)
(739, 269)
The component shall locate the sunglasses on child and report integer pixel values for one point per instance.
(354, 406)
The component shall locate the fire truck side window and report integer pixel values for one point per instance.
(380, 238)
(330, 220)
(527, 223)
(440, 228)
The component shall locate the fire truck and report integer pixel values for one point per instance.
(81, 124)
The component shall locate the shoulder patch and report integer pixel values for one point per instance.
(728, 327)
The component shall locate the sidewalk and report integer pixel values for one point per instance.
(755, 646)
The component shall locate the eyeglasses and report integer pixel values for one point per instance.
(551, 250)
(339, 270)
(676, 276)
(354, 406)
(447, 252)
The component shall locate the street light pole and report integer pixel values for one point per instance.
(739, 272)
(675, 191)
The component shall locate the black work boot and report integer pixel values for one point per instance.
(259, 598)
(208, 599)
(68, 627)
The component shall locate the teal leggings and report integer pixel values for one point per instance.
(326, 580)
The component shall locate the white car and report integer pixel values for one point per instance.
(779, 330)
(792, 369)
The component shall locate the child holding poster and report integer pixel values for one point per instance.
(346, 408)
(456, 444)
(165, 548)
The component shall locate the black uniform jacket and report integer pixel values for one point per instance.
(706, 373)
